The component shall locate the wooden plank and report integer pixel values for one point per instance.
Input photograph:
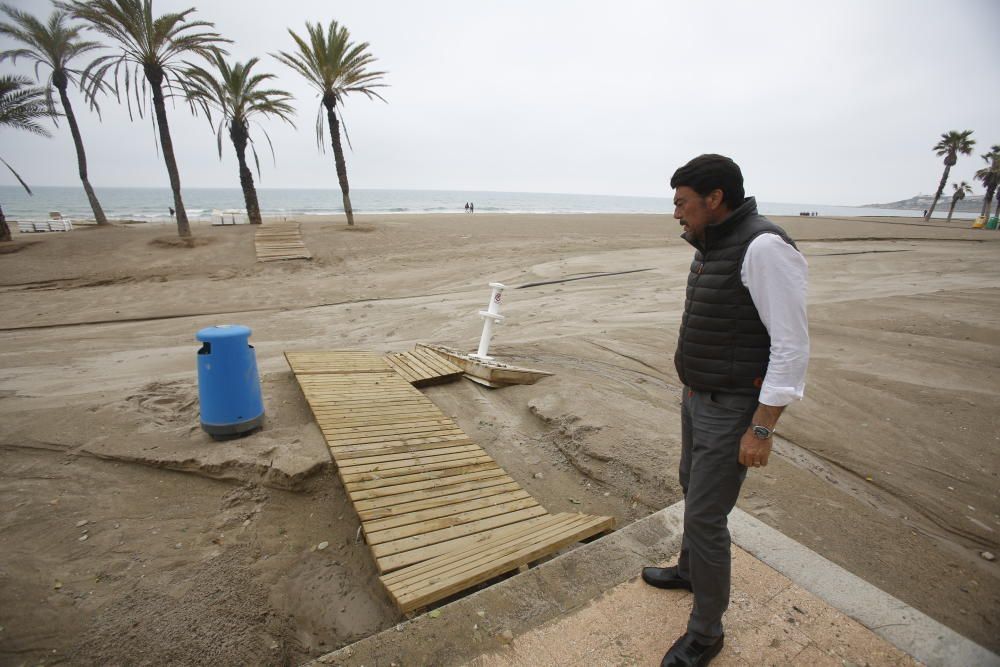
(495, 557)
(355, 465)
(327, 400)
(336, 431)
(403, 371)
(374, 409)
(498, 500)
(358, 414)
(440, 494)
(396, 438)
(421, 592)
(417, 374)
(417, 365)
(465, 461)
(391, 440)
(396, 561)
(434, 368)
(402, 515)
(370, 449)
(352, 382)
(371, 405)
(456, 521)
(363, 400)
(401, 429)
(331, 370)
(368, 494)
(373, 428)
(443, 366)
(446, 534)
(486, 543)
(370, 361)
(419, 477)
(336, 425)
(360, 389)
(343, 457)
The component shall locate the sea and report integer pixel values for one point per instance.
(153, 204)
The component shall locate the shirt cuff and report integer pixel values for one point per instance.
(779, 396)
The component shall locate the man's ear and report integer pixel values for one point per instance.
(715, 198)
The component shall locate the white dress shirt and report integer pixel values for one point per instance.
(776, 274)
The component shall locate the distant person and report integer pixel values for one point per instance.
(171, 211)
(466, 207)
(925, 212)
(741, 355)
(472, 207)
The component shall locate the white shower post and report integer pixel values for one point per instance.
(490, 315)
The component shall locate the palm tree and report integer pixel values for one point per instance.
(951, 144)
(238, 94)
(150, 46)
(961, 189)
(336, 67)
(990, 177)
(21, 107)
(54, 45)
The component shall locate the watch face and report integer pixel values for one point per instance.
(761, 432)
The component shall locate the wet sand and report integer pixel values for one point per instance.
(889, 467)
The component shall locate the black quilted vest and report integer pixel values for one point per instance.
(723, 345)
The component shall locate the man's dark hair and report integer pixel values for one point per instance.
(712, 172)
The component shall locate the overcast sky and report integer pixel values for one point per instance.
(827, 103)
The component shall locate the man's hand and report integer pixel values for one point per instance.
(754, 452)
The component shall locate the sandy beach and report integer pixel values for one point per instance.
(128, 535)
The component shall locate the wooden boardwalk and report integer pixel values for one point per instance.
(438, 513)
(279, 240)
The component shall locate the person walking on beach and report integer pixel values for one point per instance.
(466, 207)
(741, 355)
(472, 207)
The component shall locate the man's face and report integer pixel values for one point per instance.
(696, 212)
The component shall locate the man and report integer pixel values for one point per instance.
(741, 356)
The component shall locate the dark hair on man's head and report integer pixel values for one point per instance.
(711, 172)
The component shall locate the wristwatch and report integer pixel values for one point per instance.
(761, 432)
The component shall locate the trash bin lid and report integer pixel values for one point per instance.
(222, 331)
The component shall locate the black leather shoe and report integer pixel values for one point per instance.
(689, 652)
(664, 577)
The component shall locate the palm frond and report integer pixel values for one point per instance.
(952, 143)
(146, 46)
(17, 176)
(22, 105)
(236, 92)
(334, 65)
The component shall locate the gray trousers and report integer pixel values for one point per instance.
(712, 424)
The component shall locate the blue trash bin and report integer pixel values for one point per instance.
(228, 383)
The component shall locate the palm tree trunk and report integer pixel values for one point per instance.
(239, 138)
(4, 228)
(155, 78)
(81, 154)
(937, 195)
(951, 209)
(338, 158)
(987, 200)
